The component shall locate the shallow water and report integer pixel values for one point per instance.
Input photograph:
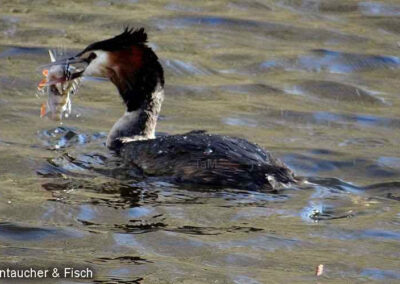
(315, 82)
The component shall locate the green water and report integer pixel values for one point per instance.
(315, 82)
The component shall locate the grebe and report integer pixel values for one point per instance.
(195, 157)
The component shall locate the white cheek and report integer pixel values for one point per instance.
(98, 65)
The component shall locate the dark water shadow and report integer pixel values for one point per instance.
(17, 232)
(324, 60)
(13, 51)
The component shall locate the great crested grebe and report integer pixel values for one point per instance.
(195, 157)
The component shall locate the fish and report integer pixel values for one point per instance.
(58, 87)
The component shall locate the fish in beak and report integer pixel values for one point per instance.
(61, 80)
(61, 71)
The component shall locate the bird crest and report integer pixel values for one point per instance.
(124, 40)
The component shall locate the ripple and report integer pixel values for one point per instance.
(182, 8)
(140, 229)
(64, 137)
(242, 279)
(71, 18)
(9, 83)
(137, 212)
(236, 121)
(181, 22)
(368, 234)
(380, 234)
(360, 119)
(365, 142)
(18, 51)
(338, 92)
(379, 9)
(179, 90)
(268, 29)
(86, 212)
(390, 190)
(59, 168)
(317, 165)
(317, 7)
(182, 68)
(314, 165)
(111, 194)
(236, 260)
(136, 260)
(388, 24)
(334, 185)
(262, 242)
(192, 230)
(324, 212)
(164, 243)
(380, 274)
(249, 5)
(30, 34)
(323, 60)
(391, 162)
(134, 227)
(8, 25)
(249, 89)
(16, 232)
(343, 62)
(337, 119)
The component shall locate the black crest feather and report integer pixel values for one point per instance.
(124, 40)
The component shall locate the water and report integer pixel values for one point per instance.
(315, 82)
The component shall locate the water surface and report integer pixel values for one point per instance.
(315, 82)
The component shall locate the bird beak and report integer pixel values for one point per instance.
(64, 61)
(73, 67)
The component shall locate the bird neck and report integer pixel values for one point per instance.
(140, 82)
(140, 119)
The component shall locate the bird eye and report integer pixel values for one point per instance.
(92, 56)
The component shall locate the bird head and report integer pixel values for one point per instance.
(127, 60)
